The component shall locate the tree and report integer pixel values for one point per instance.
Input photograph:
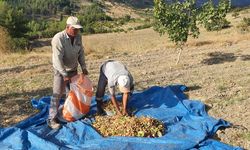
(180, 19)
(13, 19)
(15, 23)
(213, 18)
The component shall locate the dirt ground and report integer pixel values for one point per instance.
(215, 67)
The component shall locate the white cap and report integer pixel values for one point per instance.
(74, 22)
(124, 83)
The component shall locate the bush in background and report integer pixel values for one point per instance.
(93, 19)
(244, 25)
(213, 17)
(15, 23)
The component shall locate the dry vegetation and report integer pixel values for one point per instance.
(117, 125)
(215, 67)
(4, 44)
(128, 126)
(117, 10)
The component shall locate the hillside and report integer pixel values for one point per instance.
(235, 3)
(149, 3)
(119, 8)
(215, 67)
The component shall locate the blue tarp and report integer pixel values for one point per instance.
(187, 124)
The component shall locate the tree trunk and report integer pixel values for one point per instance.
(180, 48)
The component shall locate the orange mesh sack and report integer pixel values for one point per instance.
(78, 101)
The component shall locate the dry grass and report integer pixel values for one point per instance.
(143, 40)
(119, 10)
(134, 41)
(5, 41)
(23, 77)
(215, 67)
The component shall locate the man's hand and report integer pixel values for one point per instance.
(66, 80)
(114, 102)
(125, 97)
(85, 72)
(81, 79)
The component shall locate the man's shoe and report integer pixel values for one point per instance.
(100, 110)
(54, 125)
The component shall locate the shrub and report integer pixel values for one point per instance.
(35, 29)
(67, 10)
(44, 7)
(244, 25)
(235, 14)
(13, 20)
(127, 18)
(88, 29)
(94, 19)
(15, 24)
(213, 17)
(144, 26)
(118, 30)
(53, 27)
(246, 21)
(130, 28)
(18, 44)
(44, 29)
(217, 25)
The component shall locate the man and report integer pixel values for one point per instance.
(67, 52)
(114, 73)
